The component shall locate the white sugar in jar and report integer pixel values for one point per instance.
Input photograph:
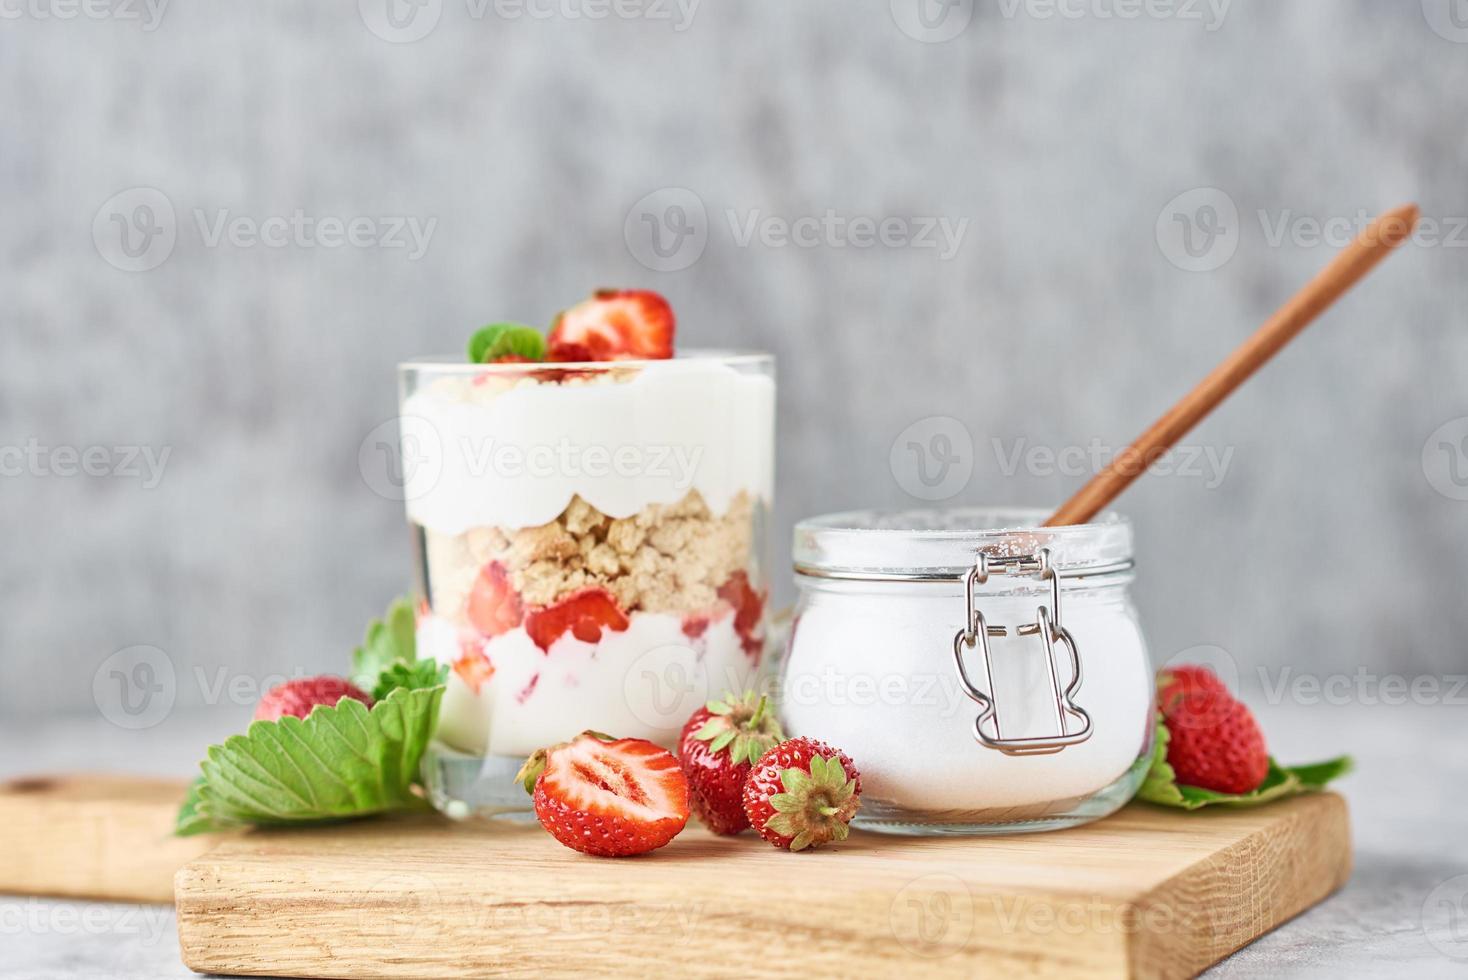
(939, 649)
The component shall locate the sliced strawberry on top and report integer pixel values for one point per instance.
(569, 352)
(494, 606)
(583, 614)
(608, 797)
(615, 324)
(749, 607)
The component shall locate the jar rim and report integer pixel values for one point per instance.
(928, 543)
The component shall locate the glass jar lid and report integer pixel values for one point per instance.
(943, 544)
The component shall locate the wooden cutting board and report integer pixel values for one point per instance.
(1146, 893)
(94, 836)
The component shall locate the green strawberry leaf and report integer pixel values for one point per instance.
(1161, 785)
(498, 339)
(338, 762)
(191, 817)
(420, 673)
(390, 640)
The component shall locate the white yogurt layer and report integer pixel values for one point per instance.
(514, 457)
(642, 682)
(875, 676)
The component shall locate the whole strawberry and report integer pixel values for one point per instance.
(1209, 696)
(298, 696)
(608, 797)
(1215, 743)
(801, 794)
(718, 748)
(1175, 682)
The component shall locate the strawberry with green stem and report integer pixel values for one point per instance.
(802, 794)
(718, 748)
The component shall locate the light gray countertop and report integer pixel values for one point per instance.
(1395, 918)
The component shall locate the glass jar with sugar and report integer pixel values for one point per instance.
(985, 673)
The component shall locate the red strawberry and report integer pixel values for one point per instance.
(695, 625)
(494, 605)
(298, 696)
(802, 793)
(718, 748)
(614, 325)
(566, 352)
(1174, 682)
(609, 797)
(749, 607)
(1216, 744)
(583, 613)
(1210, 698)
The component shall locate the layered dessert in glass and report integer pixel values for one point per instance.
(590, 531)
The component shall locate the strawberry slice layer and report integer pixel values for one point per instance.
(472, 664)
(611, 798)
(583, 614)
(749, 607)
(615, 324)
(494, 606)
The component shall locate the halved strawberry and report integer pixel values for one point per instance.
(584, 614)
(564, 351)
(608, 797)
(615, 324)
(472, 665)
(494, 606)
(749, 607)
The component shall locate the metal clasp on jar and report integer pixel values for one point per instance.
(1047, 626)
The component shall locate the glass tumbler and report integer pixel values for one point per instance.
(590, 551)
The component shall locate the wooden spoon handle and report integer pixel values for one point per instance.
(1374, 243)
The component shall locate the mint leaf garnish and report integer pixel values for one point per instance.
(420, 673)
(339, 761)
(390, 640)
(499, 339)
(1161, 785)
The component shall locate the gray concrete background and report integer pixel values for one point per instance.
(1070, 310)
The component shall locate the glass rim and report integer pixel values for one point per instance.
(944, 543)
(456, 364)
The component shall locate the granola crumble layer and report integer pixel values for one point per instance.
(665, 558)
